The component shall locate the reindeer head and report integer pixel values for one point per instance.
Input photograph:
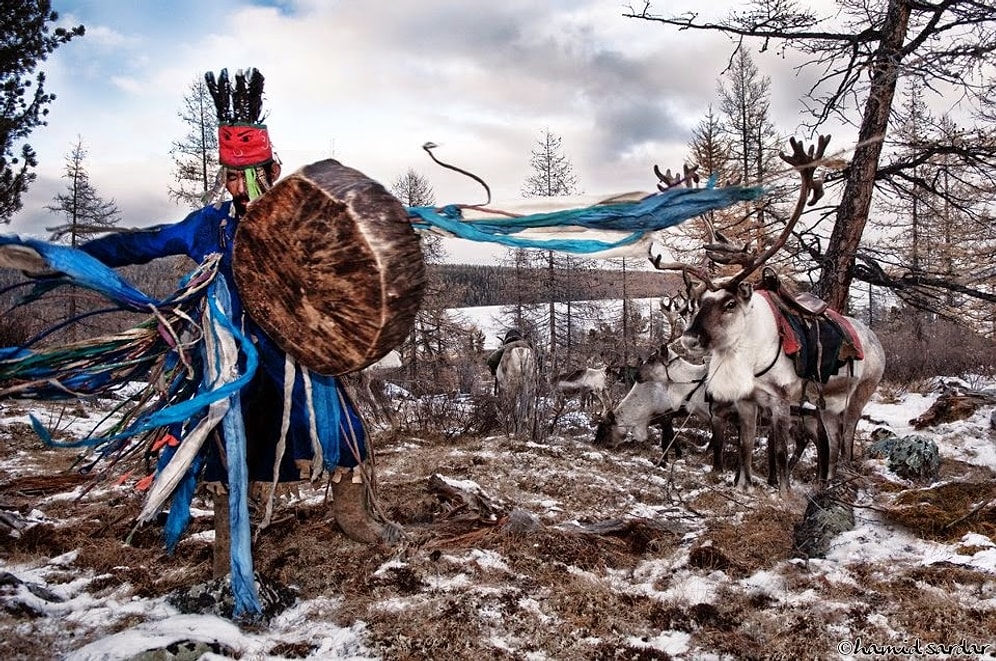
(654, 368)
(721, 319)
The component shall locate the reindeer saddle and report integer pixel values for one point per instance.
(819, 343)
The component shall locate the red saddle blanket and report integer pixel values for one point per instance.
(819, 345)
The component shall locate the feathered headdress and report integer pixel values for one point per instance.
(243, 141)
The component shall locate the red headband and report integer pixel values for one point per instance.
(244, 145)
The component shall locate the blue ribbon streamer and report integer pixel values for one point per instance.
(85, 271)
(653, 212)
(247, 605)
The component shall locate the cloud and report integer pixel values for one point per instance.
(369, 84)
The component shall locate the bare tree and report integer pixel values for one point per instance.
(861, 53)
(745, 99)
(552, 176)
(195, 157)
(521, 312)
(927, 235)
(413, 189)
(86, 212)
(434, 335)
(711, 150)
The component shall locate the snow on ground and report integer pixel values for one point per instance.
(63, 598)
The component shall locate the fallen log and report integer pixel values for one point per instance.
(953, 406)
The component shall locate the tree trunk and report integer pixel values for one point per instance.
(551, 276)
(852, 215)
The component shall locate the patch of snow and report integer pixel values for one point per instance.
(669, 642)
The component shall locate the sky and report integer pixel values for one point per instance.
(369, 84)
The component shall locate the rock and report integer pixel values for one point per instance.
(184, 650)
(916, 458)
(215, 597)
(884, 440)
(828, 514)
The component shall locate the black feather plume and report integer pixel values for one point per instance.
(242, 103)
(220, 90)
(255, 95)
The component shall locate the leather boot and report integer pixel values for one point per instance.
(351, 508)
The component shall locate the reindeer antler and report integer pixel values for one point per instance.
(668, 180)
(677, 309)
(722, 251)
(806, 163)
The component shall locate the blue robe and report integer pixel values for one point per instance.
(212, 230)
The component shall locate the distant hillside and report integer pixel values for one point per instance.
(495, 285)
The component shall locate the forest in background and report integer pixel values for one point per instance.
(477, 285)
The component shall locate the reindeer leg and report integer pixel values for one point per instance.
(716, 440)
(803, 429)
(835, 442)
(605, 401)
(781, 423)
(667, 439)
(822, 450)
(747, 412)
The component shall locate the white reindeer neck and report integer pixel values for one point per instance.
(733, 369)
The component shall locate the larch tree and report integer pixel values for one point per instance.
(710, 155)
(26, 40)
(195, 157)
(934, 219)
(434, 334)
(860, 52)
(553, 176)
(86, 213)
(711, 151)
(745, 123)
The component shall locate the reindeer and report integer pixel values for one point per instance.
(515, 385)
(747, 366)
(684, 383)
(664, 388)
(646, 404)
(589, 381)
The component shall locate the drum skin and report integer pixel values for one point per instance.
(327, 263)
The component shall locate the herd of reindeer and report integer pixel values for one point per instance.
(741, 354)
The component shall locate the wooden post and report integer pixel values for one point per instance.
(222, 535)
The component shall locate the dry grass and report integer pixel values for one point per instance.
(946, 512)
(469, 590)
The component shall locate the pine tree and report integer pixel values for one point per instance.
(26, 41)
(195, 158)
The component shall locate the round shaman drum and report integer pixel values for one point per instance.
(327, 263)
